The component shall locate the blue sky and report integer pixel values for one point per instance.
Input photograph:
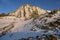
(7, 6)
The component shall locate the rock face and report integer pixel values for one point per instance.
(49, 20)
(28, 11)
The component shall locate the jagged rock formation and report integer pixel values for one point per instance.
(49, 20)
(28, 11)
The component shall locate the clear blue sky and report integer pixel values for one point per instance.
(11, 5)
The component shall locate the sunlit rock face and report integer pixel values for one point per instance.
(26, 11)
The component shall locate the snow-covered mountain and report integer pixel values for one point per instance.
(29, 21)
(26, 12)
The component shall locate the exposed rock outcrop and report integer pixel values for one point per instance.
(28, 11)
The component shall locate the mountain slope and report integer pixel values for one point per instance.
(26, 11)
(39, 22)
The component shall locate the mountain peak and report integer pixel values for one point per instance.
(27, 11)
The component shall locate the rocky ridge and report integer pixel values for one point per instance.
(28, 12)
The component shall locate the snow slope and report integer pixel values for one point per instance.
(22, 29)
(15, 28)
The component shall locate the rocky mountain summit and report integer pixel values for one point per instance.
(27, 21)
(28, 11)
